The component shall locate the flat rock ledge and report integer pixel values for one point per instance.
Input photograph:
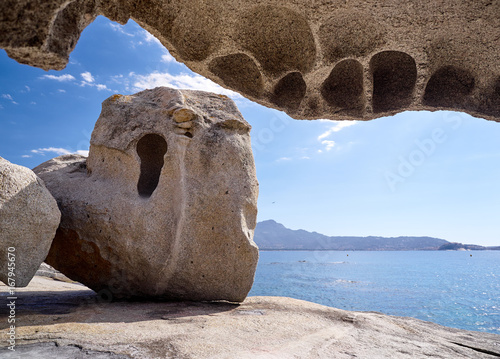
(61, 320)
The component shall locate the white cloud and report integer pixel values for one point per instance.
(27, 88)
(122, 81)
(101, 87)
(61, 78)
(338, 126)
(32, 103)
(89, 80)
(119, 28)
(181, 81)
(82, 152)
(305, 158)
(26, 156)
(328, 144)
(58, 151)
(1, 107)
(9, 97)
(140, 36)
(87, 76)
(167, 58)
(150, 39)
(284, 159)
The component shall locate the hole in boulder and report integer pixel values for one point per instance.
(151, 148)
(344, 87)
(289, 91)
(394, 77)
(448, 86)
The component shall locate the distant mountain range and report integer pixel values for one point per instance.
(270, 235)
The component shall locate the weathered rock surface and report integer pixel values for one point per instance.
(166, 203)
(29, 218)
(50, 272)
(79, 322)
(313, 59)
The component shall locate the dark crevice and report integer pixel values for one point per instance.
(394, 78)
(449, 86)
(289, 91)
(344, 87)
(479, 350)
(151, 149)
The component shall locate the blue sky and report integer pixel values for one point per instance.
(416, 173)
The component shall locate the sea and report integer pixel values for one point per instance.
(459, 289)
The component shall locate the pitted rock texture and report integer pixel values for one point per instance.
(313, 59)
(29, 218)
(166, 203)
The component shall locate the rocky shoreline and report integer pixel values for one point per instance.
(58, 319)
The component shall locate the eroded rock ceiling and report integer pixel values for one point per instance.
(313, 59)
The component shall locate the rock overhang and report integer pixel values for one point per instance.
(361, 60)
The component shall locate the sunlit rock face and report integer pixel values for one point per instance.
(166, 203)
(312, 59)
(29, 218)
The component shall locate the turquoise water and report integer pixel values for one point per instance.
(449, 288)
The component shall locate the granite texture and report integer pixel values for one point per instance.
(313, 59)
(29, 217)
(166, 203)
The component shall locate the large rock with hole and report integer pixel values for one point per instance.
(313, 59)
(29, 218)
(165, 204)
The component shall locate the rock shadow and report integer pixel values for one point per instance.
(86, 306)
(394, 78)
(151, 149)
